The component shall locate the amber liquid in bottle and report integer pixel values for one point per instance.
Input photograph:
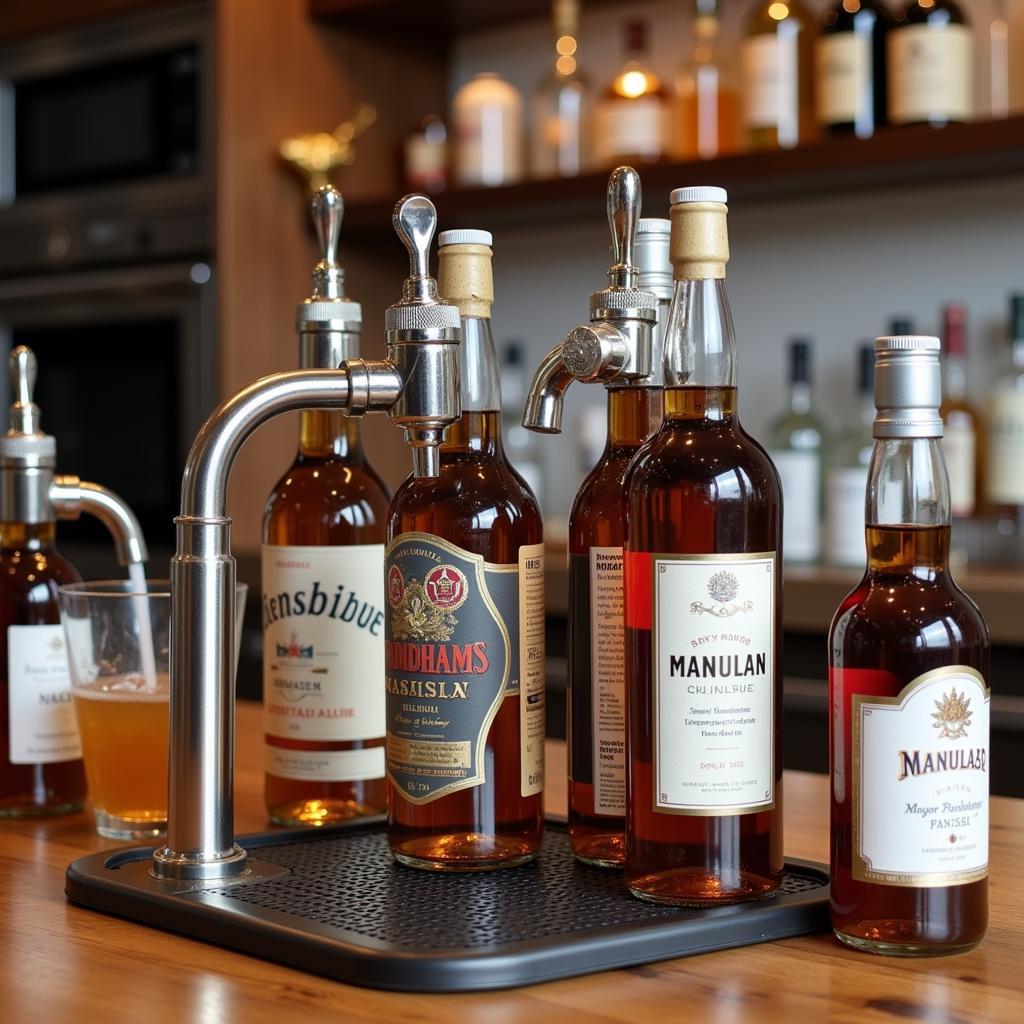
(597, 836)
(31, 570)
(480, 504)
(330, 496)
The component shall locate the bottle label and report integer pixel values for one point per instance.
(844, 77)
(41, 712)
(800, 473)
(846, 497)
(958, 452)
(1005, 470)
(920, 779)
(463, 635)
(931, 73)
(713, 643)
(770, 76)
(325, 765)
(630, 128)
(323, 644)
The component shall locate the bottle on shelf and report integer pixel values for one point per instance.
(909, 728)
(465, 596)
(898, 325)
(560, 140)
(634, 113)
(778, 75)
(960, 438)
(930, 64)
(796, 444)
(323, 585)
(488, 120)
(1004, 464)
(425, 154)
(999, 61)
(703, 827)
(708, 119)
(521, 446)
(848, 473)
(851, 68)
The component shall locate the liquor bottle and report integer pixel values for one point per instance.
(488, 115)
(425, 154)
(706, 93)
(561, 103)
(778, 75)
(323, 586)
(41, 769)
(848, 474)
(634, 113)
(960, 421)
(909, 728)
(999, 61)
(796, 445)
(899, 325)
(931, 64)
(703, 544)
(465, 623)
(851, 68)
(520, 444)
(1004, 469)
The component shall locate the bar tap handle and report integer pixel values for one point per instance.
(24, 411)
(624, 200)
(328, 210)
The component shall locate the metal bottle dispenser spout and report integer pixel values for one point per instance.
(31, 492)
(616, 345)
(417, 386)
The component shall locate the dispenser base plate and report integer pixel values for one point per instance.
(335, 903)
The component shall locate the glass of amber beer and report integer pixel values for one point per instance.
(116, 633)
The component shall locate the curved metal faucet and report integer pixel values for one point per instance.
(417, 385)
(616, 345)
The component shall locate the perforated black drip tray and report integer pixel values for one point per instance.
(334, 902)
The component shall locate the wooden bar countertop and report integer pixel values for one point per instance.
(62, 963)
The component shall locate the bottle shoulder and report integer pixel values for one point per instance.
(792, 431)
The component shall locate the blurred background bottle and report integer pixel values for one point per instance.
(778, 75)
(1004, 468)
(561, 103)
(999, 61)
(960, 421)
(425, 154)
(488, 132)
(633, 114)
(848, 474)
(850, 84)
(796, 441)
(708, 105)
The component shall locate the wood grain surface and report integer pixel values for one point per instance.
(61, 963)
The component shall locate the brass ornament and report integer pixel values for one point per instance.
(314, 155)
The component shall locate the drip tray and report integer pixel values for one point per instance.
(335, 903)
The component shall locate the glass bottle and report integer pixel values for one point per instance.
(708, 123)
(796, 443)
(1004, 469)
(425, 154)
(41, 770)
(931, 64)
(633, 114)
(323, 587)
(909, 722)
(561, 103)
(703, 543)
(465, 624)
(778, 75)
(851, 68)
(960, 438)
(999, 61)
(848, 473)
(488, 117)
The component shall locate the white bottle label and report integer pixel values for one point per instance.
(532, 674)
(41, 713)
(920, 782)
(845, 501)
(958, 451)
(801, 494)
(844, 77)
(1005, 469)
(325, 765)
(931, 73)
(771, 88)
(630, 128)
(608, 680)
(714, 699)
(323, 642)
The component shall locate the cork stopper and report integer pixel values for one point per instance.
(699, 247)
(464, 274)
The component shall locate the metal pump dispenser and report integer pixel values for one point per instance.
(30, 492)
(616, 345)
(417, 386)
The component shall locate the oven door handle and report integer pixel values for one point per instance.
(105, 282)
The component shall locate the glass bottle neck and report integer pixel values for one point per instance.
(800, 397)
(629, 417)
(479, 390)
(700, 344)
(956, 378)
(27, 536)
(327, 433)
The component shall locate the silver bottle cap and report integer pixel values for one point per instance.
(25, 445)
(908, 386)
(652, 260)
